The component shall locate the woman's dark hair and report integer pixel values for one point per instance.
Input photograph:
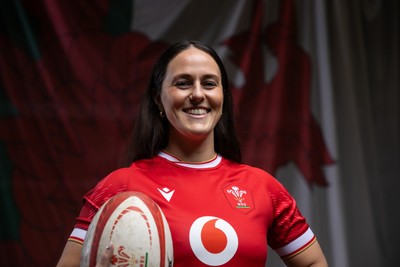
(150, 134)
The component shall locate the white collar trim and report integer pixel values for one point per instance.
(195, 165)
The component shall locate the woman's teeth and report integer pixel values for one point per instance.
(196, 111)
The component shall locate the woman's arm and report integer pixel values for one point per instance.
(312, 256)
(71, 255)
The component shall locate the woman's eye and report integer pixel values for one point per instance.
(182, 84)
(209, 84)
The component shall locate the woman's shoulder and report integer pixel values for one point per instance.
(120, 179)
(136, 166)
(252, 173)
(243, 167)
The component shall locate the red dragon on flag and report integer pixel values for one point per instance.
(275, 120)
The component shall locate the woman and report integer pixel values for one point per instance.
(185, 155)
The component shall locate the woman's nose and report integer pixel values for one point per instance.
(197, 94)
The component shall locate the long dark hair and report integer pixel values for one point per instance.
(150, 134)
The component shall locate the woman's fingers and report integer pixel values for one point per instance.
(106, 256)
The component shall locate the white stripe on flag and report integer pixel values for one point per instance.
(339, 257)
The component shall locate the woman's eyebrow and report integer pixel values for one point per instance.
(190, 77)
(182, 76)
(212, 76)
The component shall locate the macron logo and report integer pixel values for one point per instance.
(167, 193)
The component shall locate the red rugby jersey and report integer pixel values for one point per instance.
(220, 213)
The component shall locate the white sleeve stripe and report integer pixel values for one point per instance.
(297, 244)
(78, 233)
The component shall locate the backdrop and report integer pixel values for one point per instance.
(316, 89)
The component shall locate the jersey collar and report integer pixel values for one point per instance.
(195, 165)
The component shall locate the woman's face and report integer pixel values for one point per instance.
(192, 95)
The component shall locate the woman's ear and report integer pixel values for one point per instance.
(157, 100)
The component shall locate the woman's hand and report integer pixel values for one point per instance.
(106, 257)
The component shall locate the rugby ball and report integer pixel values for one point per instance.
(136, 226)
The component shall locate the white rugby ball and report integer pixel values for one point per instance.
(136, 226)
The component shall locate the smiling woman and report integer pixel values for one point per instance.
(192, 100)
(185, 155)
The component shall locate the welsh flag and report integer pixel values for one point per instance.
(72, 74)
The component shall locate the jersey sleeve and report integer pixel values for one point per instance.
(289, 233)
(111, 185)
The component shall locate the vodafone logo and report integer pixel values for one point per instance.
(213, 240)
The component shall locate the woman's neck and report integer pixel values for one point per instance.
(191, 150)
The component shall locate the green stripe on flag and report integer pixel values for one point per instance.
(9, 224)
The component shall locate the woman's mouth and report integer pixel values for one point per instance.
(196, 111)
